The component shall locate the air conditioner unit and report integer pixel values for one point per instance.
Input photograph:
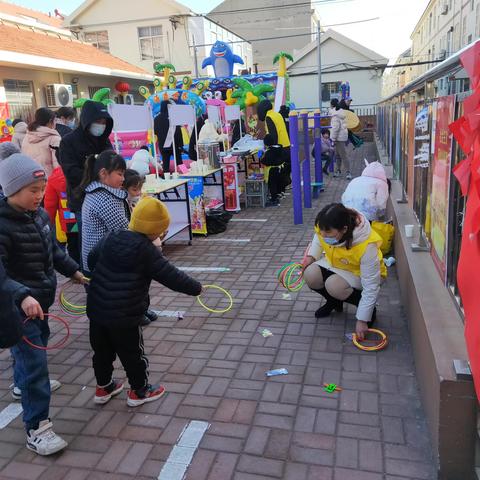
(444, 9)
(59, 95)
(124, 100)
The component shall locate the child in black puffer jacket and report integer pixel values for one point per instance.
(30, 255)
(123, 264)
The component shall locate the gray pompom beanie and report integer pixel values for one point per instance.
(7, 149)
(18, 171)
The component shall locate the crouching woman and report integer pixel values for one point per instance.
(345, 264)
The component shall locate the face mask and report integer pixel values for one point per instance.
(71, 124)
(331, 240)
(97, 129)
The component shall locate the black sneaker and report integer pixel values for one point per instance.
(326, 309)
(145, 321)
(151, 315)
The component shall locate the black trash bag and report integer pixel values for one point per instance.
(217, 221)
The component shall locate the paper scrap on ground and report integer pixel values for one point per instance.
(182, 453)
(170, 313)
(278, 371)
(266, 333)
(286, 296)
(10, 413)
(349, 336)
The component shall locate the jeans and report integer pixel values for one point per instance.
(31, 373)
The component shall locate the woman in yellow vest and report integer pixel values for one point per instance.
(345, 264)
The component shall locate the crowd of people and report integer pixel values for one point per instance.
(63, 176)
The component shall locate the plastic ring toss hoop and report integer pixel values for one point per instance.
(59, 344)
(70, 308)
(286, 276)
(374, 348)
(227, 294)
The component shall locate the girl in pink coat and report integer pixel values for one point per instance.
(42, 140)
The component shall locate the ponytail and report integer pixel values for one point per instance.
(108, 160)
(338, 216)
(43, 116)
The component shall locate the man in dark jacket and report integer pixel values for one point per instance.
(90, 137)
(30, 256)
(65, 120)
(123, 264)
(161, 126)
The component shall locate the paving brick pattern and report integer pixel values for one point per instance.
(213, 367)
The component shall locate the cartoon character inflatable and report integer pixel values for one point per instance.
(222, 60)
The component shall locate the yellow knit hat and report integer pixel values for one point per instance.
(150, 217)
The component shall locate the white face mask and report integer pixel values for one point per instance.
(97, 129)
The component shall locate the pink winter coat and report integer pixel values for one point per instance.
(38, 145)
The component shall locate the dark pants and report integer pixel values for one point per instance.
(127, 343)
(166, 154)
(277, 181)
(73, 246)
(31, 373)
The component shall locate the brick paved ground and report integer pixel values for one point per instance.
(213, 367)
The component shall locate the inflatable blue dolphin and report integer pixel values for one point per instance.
(222, 60)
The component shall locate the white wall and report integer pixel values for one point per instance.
(363, 88)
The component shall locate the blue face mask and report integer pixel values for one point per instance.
(331, 240)
(71, 124)
(97, 129)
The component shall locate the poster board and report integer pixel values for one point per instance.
(214, 115)
(197, 205)
(232, 112)
(442, 155)
(132, 128)
(230, 184)
(180, 115)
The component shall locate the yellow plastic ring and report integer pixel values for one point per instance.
(212, 310)
(380, 346)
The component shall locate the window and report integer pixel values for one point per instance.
(151, 43)
(430, 24)
(472, 5)
(20, 99)
(99, 40)
(93, 90)
(330, 90)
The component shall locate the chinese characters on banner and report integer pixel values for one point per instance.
(230, 183)
(440, 182)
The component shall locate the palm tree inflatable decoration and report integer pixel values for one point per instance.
(281, 90)
(102, 96)
(166, 69)
(246, 94)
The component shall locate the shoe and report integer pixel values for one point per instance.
(337, 174)
(105, 394)
(150, 393)
(348, 176)
(151, 315)
(330, 305)
(43, 440)
(145, 321)
(272, 203)
(17, 393)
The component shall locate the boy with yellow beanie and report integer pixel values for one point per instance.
(123, 264)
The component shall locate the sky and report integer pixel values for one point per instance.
(388, 36)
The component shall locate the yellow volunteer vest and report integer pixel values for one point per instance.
(279, 122)
(349, 259)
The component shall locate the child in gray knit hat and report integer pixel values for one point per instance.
(7, 149)
(30, 256)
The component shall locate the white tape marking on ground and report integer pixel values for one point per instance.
(233, 240)
(204, 269)
(248, 220)
(170, 313)
(9, 413)
(182, 453)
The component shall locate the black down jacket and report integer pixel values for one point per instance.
(76, 146)
(123, 264)
(30, 255)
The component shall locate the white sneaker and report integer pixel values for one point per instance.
(44, 441)
(17, 393)
(349, 176)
